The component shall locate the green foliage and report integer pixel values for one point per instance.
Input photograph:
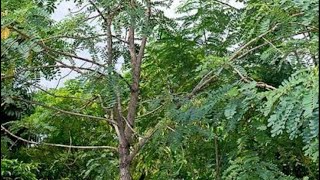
(294, 108)
(250, 166)
(17, 169)
(230, 128)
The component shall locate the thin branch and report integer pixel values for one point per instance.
(204, 81)
(234, 56)
(251, 50)
(74, 37)
(56, 145)
(66, 112)
(259, 84)
(226, 4)
(273, 45)
(79, 10)
(56, 51)
(150, 112)
(170, 128)
(72, 55)
(51, 94)
(98, 10)
(261, 45)
(92, 17)
(62, 77)
(124, 41)
(237, 53)
(89, 102)
(143, 141)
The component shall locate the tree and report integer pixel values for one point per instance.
(132, 18)
(215, 94)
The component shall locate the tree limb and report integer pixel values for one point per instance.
(143, 141)
(66, 112)
(56, 145)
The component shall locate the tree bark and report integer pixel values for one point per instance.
(126, 134)
(109, 43)
(124, 146)
(124, 160)
(136, 70)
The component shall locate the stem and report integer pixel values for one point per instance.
(109, 43)
(55, 145)
(217, 157)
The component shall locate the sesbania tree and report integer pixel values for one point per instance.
(253, 103)
(122, 27)
(219, 93)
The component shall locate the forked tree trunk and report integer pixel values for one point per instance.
(126, 125)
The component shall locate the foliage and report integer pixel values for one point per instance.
(294, 108)
(16, 169)
(227, 93)
(250, 166)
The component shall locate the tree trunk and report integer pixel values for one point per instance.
(124, 160)
(124, 170)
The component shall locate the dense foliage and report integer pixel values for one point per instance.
(219, 93)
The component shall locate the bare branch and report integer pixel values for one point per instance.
(150, 112)
(54, 95)
(66, 112)
(204, 81)
(226, 4)
(56, 145)
(98, 10)
(143, 141)
(259, 84)
(234, 56)
(237, 53)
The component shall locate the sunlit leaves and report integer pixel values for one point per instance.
(5, 32)
(14, 168)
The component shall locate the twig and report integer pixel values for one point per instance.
(273, 45)
(226, 4)
(143, 141)
(51, 94)
(171, 129)
(237, 53)
(56, 145)
(150, 112)
(98, 10)
(66, 112)
(234, 56)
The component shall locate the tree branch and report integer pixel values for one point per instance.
(143, 141)
(56, 145)
(136, 70)
(237, 53)
(226, 4)
(98, 10)
(66, 112)
(234, 56)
